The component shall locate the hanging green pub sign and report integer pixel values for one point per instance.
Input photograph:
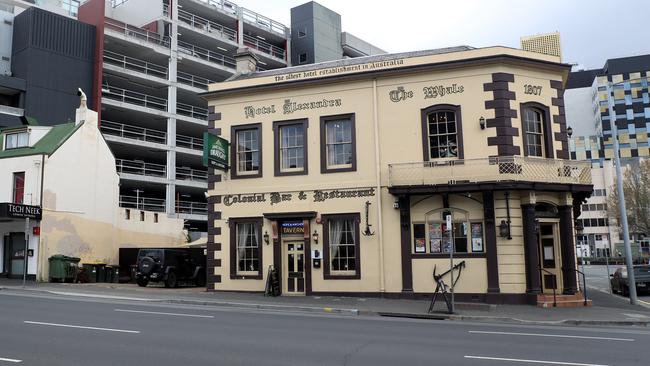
(215, 151)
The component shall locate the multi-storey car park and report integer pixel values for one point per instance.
(155, 58)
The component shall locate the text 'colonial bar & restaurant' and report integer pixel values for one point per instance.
(341, 175)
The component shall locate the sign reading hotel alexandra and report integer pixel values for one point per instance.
(18, 211)
(215, 151)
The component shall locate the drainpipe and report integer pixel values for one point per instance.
(382, 285)
(39, 259)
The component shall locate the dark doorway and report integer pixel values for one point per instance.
(14, 254)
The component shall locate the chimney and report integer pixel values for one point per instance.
(246, 61)
(83, 113)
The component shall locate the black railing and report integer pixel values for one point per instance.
(554, 284)
(584, 285)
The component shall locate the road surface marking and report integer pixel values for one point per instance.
(98, 296)
(82, 327)
(532, 361)
(554, 335)
(10, 360)
(160, 313)
(635, 315)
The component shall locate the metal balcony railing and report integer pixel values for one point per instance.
(205, 54)
(263, 22)
(207, 26)
(137, 33)
(192, 208)
(192, 111)
(193, 80)
(131, 97)
(133, 132)
(191, 174)
(496, 169)
(134, 64)
(189, 142)
(142, 203)
(223, 6)
(139, 167)
(264, 47)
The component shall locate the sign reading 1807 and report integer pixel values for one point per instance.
(215, 151)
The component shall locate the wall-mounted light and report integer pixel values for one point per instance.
(481, 121)
(569, 131)
(504, 229)
(396, 204)
(579, 227)
(315, 237)
(266, 237)
(536, 226)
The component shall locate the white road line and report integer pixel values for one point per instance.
(160, 313)
(531, 361)
(82, 327)
(554, 335)
(10, 360)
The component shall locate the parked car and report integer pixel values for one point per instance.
(171, 266)
(619, 280)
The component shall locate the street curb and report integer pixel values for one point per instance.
(480, 318)
(247, 305)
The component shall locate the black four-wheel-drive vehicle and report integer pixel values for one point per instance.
(171, 266)
(619, 281)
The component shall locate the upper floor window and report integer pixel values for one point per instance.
(338, 145)
(290, 147)
(442, 132)
(247, 151)
(16, 140)
(533, 132)
(537, 139)
(19, 188)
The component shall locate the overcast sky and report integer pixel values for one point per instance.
(591, 30)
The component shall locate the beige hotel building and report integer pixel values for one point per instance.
(343, 174)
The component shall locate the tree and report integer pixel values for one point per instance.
(636, 187)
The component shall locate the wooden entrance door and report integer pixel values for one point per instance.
(293, 267)
(550, 257)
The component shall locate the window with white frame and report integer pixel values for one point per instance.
(292, 147)
(247, 248)
(338, 143)
(442, 134)
(432, 236)
(248, 151)
(341, 246)
(533, 132)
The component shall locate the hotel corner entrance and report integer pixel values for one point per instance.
(293, 266)
(550, 256)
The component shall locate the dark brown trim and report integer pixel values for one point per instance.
(289, 215)
(560, 119)
(503, 114)
(531, 250)
(492, 186)
(546, 125)
(491, 242)
(325, 218)
(446, 255)
(276, 146)
(323, 146)
(405, 239)
(567, 248)
(467, 62)
(426, 153)
(232, 222)
(233, 150)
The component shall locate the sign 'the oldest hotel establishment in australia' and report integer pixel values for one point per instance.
(341, 176)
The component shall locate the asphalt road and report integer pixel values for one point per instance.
(51, 330)
(598, 279)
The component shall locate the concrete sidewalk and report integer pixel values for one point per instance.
(607, 309)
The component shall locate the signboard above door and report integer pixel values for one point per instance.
(293, 227)
(17, 211)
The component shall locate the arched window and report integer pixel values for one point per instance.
(536, 131)
(442, 132)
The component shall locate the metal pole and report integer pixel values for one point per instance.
(607, 265)
(451, 260)
(621, 197)
(25, 250)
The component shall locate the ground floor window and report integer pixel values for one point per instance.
(246, 247)
(433, 237)
(341, 246)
